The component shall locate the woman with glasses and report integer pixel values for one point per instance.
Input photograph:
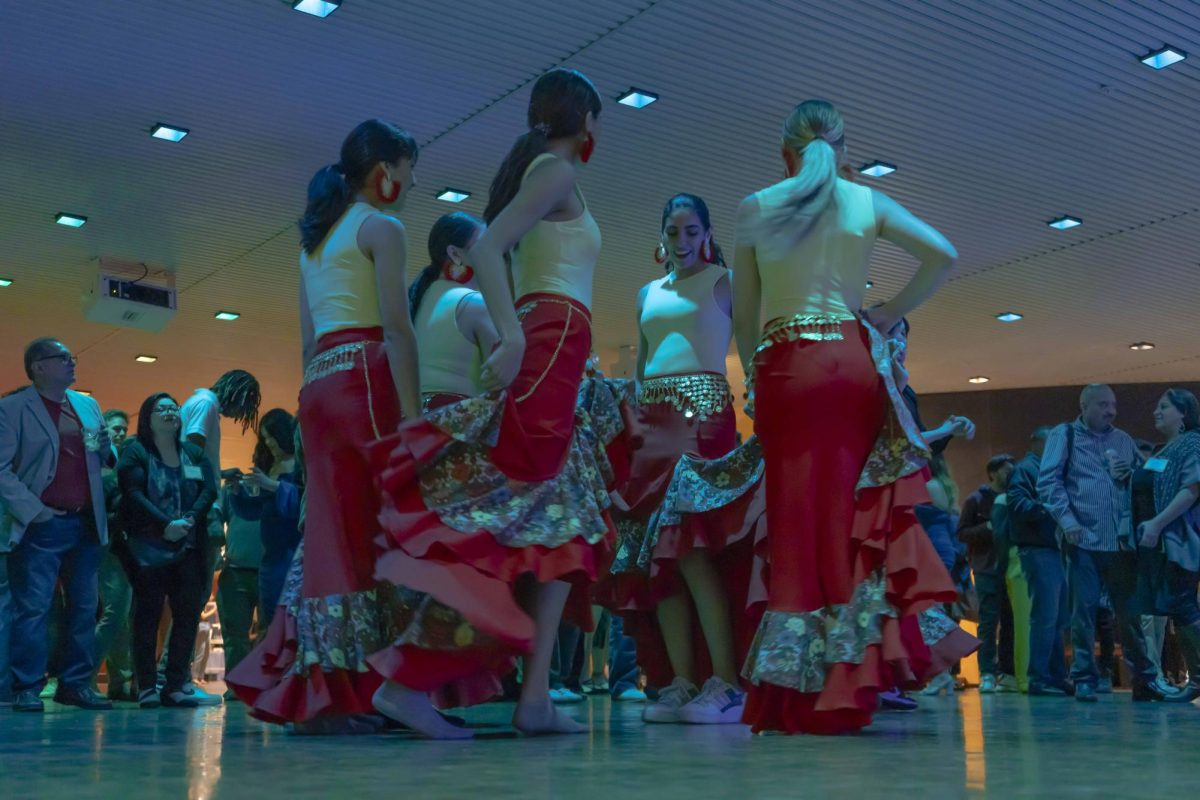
(167, 490)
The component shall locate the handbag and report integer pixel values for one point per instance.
(151, 553)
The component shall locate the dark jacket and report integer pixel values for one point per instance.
(1031, 523)
(279, 515)
(910, 400)
(973, 530)
(140, 517)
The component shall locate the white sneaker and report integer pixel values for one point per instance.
(987, 684)
(670, 700)
(718, 704)
(1007, 684)
(630, 695)
(564, 695)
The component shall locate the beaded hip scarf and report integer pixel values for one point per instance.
(702, 395)
(337, 359)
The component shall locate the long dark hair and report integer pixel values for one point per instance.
(239, 395)
(1185, 403)
(455, 228)
(145, 434)
(697, 204)
(282, 427)
(558, 106)
(332, 189)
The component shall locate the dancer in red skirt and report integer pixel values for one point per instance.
(360, 373)
(684, 407)
(454, 332)
(850, 569)
(496, 506)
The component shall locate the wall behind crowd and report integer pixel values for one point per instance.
(1005, 418)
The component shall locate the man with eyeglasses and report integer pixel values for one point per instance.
(53, 446)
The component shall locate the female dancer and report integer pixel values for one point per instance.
(454, 331)
(684, 407)
(503, 497)
(360, 374)
(849, 568)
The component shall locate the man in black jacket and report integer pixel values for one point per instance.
(1034, 532)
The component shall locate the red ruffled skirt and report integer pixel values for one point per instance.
(484, 493)
(853, 579)
(647, 571)
(312, 659)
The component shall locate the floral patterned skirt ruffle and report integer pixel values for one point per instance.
(854, 583)
(493, 490)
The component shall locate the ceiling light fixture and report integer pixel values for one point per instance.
(168, 133)
(226, 316)
(70, 220)
(870, 284)
(1163, 58)
(1065, 222)
(317, 8)
(1142, 346)
(452, 195)
(1010, 316)
(6, 282)
(979, 379)
(637, 98)
(146, 359)
(877, 169)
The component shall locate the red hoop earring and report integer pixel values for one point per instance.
(387, 197)
(585, 152)
(459, 273)
(707, 254)
(660, 254)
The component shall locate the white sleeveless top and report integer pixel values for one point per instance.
(685, 330)
(449, 361)
(339, 280)
(825, 273)
(557, 257)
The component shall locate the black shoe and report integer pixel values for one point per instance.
(1045, 690)
(1148, 693)
(28, 700)
(148, 698)
(1187, 694)
(1085, 693)
(85, 697)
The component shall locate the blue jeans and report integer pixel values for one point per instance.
(995, 625)
(1050, 617)
(1088, 573)
(64, 547)
(272, 575)
(6, 620)
(622, 657)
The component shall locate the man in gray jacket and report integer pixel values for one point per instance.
(53, 445)
(1079, 482)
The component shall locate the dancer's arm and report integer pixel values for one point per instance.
(643, 345)
(473, 321)
(747, 286)
(896, 224)
(543, 190)
(383, 240)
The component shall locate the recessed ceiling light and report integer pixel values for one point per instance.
(226, 316)
(318, 8)
(870, 284)
(1142, 346)
(877, 169)
(1160, 59)
(1010, 316)
(70, 220)
(637, 98)
(453, 195)
(1064, 222)
(6, 282)
(168, 132)
(979, 379)
(146, 359)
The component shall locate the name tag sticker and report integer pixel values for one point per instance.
(191, 472)
(1156, 464)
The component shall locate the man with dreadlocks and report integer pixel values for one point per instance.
(235, 395)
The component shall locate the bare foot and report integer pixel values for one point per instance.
(543, 719)
(414, 710)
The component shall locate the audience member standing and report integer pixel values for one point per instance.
(238, 584)
(1076, 486)
(989, 566)
(114, 630)
(53, 446)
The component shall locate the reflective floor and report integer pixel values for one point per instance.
(964, 746)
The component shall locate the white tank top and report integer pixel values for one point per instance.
(685, 330)
(557, 257)
(825, 273)
(339, 280)
(449, 361)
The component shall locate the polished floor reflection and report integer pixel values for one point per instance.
(963, 746)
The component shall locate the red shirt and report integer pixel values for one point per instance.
(70, 490)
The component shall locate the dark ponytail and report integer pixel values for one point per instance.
(332, 189)
(558, 106)
(697, 204)
(456, 228)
